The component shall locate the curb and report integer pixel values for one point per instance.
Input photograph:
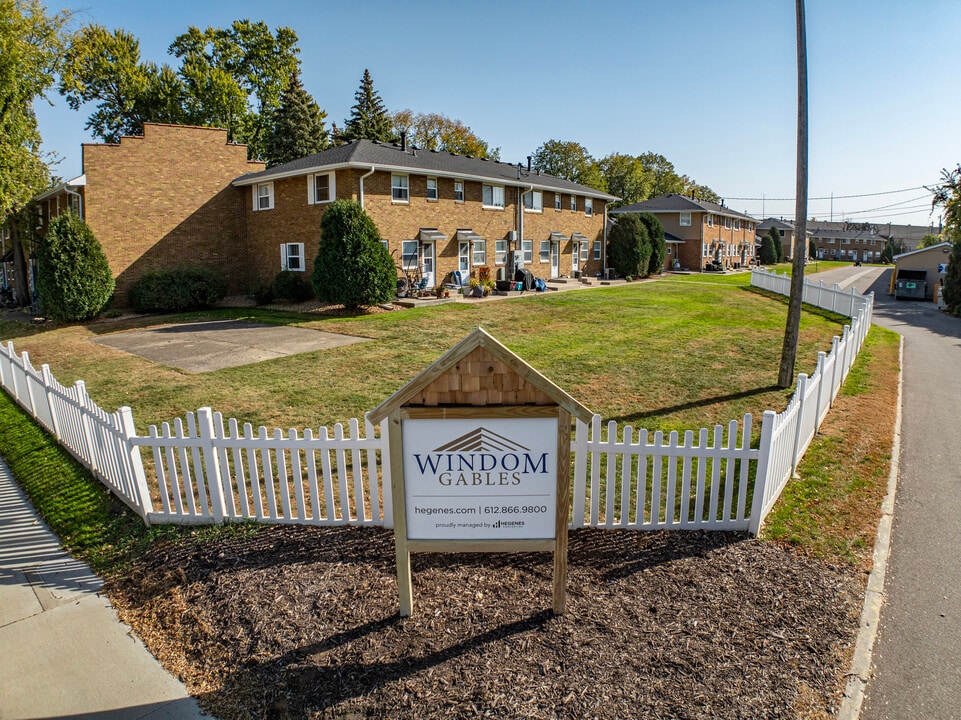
(860, 672)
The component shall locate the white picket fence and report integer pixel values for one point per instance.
(203, 469)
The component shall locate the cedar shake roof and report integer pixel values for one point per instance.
(362, 154)
(680, 203)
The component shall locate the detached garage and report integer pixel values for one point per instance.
(918, 274)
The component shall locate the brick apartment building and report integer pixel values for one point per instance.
(437, 212)
(699, 232)
(183, 196)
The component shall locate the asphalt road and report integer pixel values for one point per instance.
(917, 659)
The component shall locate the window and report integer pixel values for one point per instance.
(545, 255)
(459, 191)
(782, 232)
(399, 191)
(534, 201)
(573, 203)
(264, 196)
(597, 249)
(709, 219)
(493, 196)
(432, 188)
(500, 252)
(292, 257)
(75, 205)
(408, 254)
(589, 206)
(584, 251)
(320, 188)
(386, 245)
(684, 219)
(528, 248)
(463, 256)
(480, 251)
(705, 250)
(737, 224)
(727, 223)
(557, 201)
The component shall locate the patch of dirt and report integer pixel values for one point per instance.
(299, 622)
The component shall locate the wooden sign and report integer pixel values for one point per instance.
(480, 460)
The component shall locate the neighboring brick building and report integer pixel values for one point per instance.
(162, 200)
(861, 244)
(707, 232)
(436, 211)
(785, 230)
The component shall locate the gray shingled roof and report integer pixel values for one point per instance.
(680, 203)
(363, 154)
(766, 224)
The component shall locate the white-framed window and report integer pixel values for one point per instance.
(589, 206)
(705, 250)
(709, 219)
(432, 189)
(493, 196)
(264, 196)
(584, 251)
(727, 223)
(292, 257)
(459, 191)
(320, 188)
(386, 244)
(545, 252)
(573, 203)
(528, 249)
(557, 201)
(684, 219)
(846, 241)
(479, 251)
(399, 189)
(668, 252)
(829, 241)
(597, 249)
(74, 202)
(408, 254)
(534, 201)
(500, 252)
(737, 224)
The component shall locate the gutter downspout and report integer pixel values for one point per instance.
(604, 246)
(371, 172)
(520, 227)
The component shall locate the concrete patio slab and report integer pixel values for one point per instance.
(207, 346)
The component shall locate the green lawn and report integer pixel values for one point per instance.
(681, 352)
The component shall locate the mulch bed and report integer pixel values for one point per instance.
(294, 622)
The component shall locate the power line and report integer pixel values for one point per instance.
(838, 197)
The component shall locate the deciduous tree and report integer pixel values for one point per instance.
(571, 161)
(433, 131)
(948, 196)
(627, 178)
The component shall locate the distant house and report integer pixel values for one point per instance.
(437, 212)
(701, 232)
(785, 230)
(926, 267)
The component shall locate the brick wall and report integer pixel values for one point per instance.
(293, 220)
(164, 200)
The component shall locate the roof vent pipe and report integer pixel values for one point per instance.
(528, 163)
(403, 141)
(519, 166)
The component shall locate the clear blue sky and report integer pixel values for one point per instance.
(709, 84)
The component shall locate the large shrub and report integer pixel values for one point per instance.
(655, 232)
(74, 281)
(292, 286)
(769, 249)
(352, 266)
(629, 246)
(177, 290)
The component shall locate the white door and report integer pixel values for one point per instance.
(463, 258)
(427, 263)
(555, 260)
(575, 258)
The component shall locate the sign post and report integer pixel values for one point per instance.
(480, 460)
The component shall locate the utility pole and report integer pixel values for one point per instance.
(785, 376)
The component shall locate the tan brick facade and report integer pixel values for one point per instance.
(164, 200)
(293, 220)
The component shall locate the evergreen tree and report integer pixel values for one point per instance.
(777, 244)
(768, 250)
(629, 246)
(655, 232)
(298, 128)
(368, 117)
(352, 266)
(73, 279)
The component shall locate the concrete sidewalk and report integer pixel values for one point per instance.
(63, 652)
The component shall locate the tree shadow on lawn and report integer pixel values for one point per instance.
(705, 402)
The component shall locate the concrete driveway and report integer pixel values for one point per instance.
(206, 346)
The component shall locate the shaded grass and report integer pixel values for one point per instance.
(832, 510)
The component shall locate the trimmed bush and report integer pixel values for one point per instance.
(177, 290)
(629, 246)
(293, 286)
(74, 281)
(352, 266)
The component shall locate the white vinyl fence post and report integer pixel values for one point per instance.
(762, 472)
(48, 381)
(132, 456)
(88, 440)
(836, 372)
(32, 406)
(801, 391)
(822, 382)
(215, 491)
(385, 479)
